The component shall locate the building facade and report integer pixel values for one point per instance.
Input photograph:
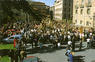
(63, 9)
(67, 9)
(84, 13)
(58, 9)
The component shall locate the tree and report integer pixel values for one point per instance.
(12, 10)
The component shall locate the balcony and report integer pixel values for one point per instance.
(89, 4)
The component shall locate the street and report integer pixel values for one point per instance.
(58, 55)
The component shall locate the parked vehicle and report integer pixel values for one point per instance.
(11, 38)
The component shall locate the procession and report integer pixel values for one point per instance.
(23, 34)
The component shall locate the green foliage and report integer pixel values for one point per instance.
(7, 46)
(4, 59)
(12, 11)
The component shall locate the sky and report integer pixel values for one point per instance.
(47, 2)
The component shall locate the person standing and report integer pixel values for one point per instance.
(11, 53)
(59, 45)
(15, 42)
(88, 42)
(16, 55)
(31, 39)
(24, 40)
(69, 44)
(22, 55)
(69, 55)
(80, 47)
(40, 41)
(69, 37)
(73, 42)
(36, 40)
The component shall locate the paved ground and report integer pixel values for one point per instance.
(58, 55)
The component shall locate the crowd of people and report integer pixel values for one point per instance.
(56, 37)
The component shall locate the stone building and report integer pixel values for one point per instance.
(58, 9)
(84, 13)
(63, 9)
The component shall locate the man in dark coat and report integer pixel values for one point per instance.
(73, 42)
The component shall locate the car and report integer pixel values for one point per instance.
(11, 38)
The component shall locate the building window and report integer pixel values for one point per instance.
(81, 11)
(75, 21)
(87, 23)
(69, 15)
(89, 4)
(89, 1)
(88, 11)
(94, 17)
(81, 22)
(69, 4)
(76, 11)
(69, 9)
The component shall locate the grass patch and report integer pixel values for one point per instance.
(7, 46)
(4, 59)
